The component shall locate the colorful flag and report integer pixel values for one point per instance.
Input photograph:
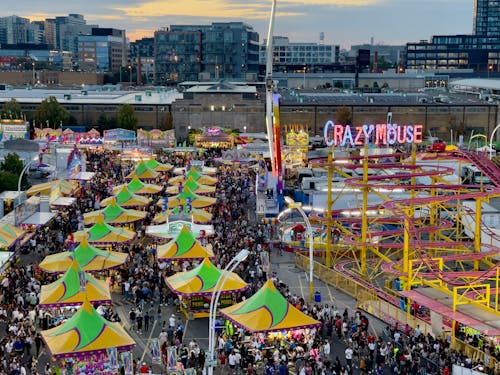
(113, 358)
(172, 359)
(264, 259)
(155, 350)
(127, 363)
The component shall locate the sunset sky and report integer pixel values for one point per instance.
(344, 22)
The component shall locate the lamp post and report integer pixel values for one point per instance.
(23, 171)
(491, 140)
(292, 204)
(214, 301)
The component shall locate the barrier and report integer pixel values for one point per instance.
(368, 300)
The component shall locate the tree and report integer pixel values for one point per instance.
(126, 118)
(10, 169)
(12, 109)
(51, 113)
(166, 122)
(344, 116)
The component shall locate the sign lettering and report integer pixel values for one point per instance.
(379, 134)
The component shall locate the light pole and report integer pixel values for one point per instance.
(491, 140)
(292, 204)
(23, 171)
(214, 301)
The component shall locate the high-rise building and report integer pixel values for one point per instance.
(221, 50)
(14, 30)
(103, 51)
(479, 51)
(65, 30)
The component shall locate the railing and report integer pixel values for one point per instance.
(368, 300)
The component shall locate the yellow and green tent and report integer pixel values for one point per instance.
(114, 214)
(198, 216)
(157, 166)
(197, 201)
(184, 246)
(89, 258)
(201, 281)
(126, 199)
(68, 291)
(136, 186)
(268, 311)
(143, 172)
(86, 333)
(101, 234)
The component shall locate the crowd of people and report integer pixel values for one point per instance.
(306, 352)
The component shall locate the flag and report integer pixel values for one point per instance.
(113, 358)
(155, 350)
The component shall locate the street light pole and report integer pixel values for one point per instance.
(23, 171)
(292, 204)
(491, 140)
(214, 301)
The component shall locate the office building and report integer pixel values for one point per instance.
(289, 57)
(62, 32)
(14, 30)
(479, 51)
(103, 51)
(219, 51)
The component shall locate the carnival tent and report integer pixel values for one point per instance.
(143, 172)
(101, 234)
(197, 215)
(68, 291)
(157, 166)
(126, 199)
(9, 235)
(84, 333)
(114, 214)
(202, 279)
(268, 311)
(196, 176)
(89, 258)
(184, 246)
(45, 188)
(193, 186)
(172, 228)
(197, 201)
(136, 186)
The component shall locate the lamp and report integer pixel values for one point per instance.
(233, 263)
(292, 204)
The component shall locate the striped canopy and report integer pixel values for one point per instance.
(114, 214)
(202, 279)
(197, 201)
(157, 166)
(195, 175)
(89, 258)
(67, 291)
(193, 186)
(85, 333)
(268, 311)
(184, 246)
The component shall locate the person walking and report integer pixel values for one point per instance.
(146, 322)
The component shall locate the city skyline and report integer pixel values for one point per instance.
(344, 22)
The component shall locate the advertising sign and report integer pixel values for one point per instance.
(118, 135)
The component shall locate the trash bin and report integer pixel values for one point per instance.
(317, 297)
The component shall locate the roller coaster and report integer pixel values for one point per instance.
(417, 248)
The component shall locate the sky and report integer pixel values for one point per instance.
(344, 22)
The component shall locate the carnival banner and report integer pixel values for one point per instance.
(127, 363)
(264, 259)
(113, 358)
(172, 359)
(155, 350)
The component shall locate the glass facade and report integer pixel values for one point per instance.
(479, 51)
(223, 50)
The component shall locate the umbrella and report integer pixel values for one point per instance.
(197, 201)
(198, 216)
(68, 291)
(89, 258)
(184, 246)
(126, 199)
(136, 186)
(268, 311)
(86, 332)
(202, 279)
(114, 214)
(157, 166)
(143, 172)
(298, 228)
(104, 234)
